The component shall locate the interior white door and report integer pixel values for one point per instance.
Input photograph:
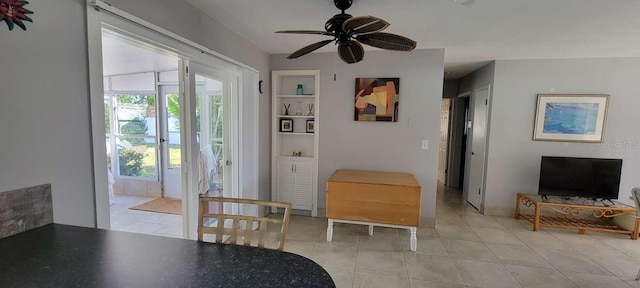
(171, 156)
(443, 145)
(477, 149)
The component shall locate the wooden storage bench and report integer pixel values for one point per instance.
(374, 199)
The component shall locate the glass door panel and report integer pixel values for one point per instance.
(210, 152)
(210, 127)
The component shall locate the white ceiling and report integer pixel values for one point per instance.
(472, 34)
(120, 56)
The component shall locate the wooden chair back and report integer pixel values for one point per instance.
(242, 227)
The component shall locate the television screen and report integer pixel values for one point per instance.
(583, 177)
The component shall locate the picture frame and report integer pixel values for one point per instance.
(571, 117)
(310, 126)
(376, 99)
(286, 125)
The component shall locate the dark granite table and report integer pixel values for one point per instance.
(68, 256)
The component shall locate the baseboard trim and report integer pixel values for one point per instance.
(427, 222)
(499, 211)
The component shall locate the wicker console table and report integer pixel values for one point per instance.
(600, 218)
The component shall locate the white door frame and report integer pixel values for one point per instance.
(137, 29)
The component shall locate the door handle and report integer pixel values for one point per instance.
(291, 168)
(162, 140)
(228, 163)
(473, 153)
(295, 168)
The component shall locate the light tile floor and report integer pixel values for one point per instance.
(467, 249)
(125, 219)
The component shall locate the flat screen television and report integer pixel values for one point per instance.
(582, 177)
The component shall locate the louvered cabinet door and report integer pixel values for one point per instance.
(285, 181)
(303, 185)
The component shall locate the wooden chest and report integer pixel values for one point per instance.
(379, 197)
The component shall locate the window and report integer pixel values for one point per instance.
(135, 135)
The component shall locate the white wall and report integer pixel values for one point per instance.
(395, 147)
(477, 79)
(185, 20)
(451, 87)
(514, 159)
(45, 132)
(45, 136)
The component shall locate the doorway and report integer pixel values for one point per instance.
(443, 143)
(171, 155)
(241, 145)
(459, 122)
(154, 119)
(142, 138)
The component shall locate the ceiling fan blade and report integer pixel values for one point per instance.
(308, 49)
(312, 32)
(351, 52)
(364, 25)
(387, 41)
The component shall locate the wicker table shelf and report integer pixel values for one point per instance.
(601, 218)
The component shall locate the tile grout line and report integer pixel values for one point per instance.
(590, 259)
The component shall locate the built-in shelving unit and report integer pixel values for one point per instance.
(295, 178)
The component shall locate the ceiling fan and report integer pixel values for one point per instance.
(348, 32)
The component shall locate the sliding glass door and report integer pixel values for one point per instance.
(212, 96)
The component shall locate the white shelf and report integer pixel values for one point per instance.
(295, 133)
(297, 96)
(291, 116)
(310, 158)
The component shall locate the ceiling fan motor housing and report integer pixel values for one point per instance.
(334, 25)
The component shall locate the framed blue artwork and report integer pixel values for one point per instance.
(571, 118)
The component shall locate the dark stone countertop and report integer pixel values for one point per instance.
(68, 256)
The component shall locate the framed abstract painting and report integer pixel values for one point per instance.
(377, 99)
(571, 117)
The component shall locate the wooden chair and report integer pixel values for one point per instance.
(242, 226)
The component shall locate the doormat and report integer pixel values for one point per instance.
(161, 205)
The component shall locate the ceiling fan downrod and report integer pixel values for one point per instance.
(343, 4)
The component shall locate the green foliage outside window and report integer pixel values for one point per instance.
(137, 126)
(130, 162)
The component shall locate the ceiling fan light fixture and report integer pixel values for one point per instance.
(349, 32)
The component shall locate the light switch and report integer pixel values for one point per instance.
(425, 144)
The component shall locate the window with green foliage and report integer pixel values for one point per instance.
(134, 134)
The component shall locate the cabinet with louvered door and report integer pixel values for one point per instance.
(302, 185)
(284, 181)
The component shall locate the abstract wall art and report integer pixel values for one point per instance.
(377, 99)
(571, 118)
